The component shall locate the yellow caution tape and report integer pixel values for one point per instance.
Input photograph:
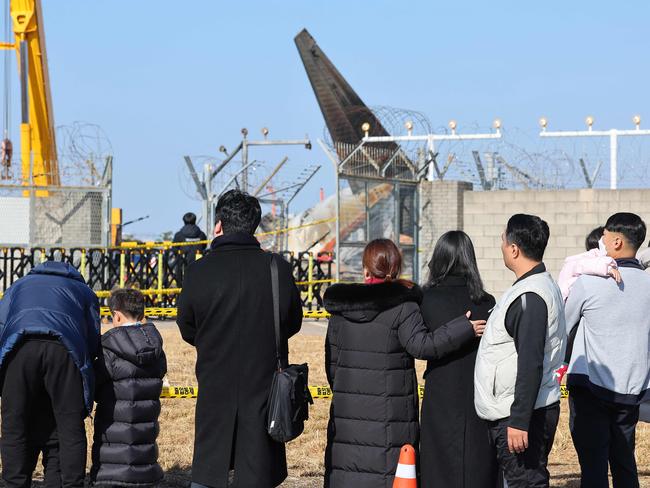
(171, 312)
(317, 392)
(179, 392)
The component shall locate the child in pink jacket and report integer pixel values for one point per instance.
(593, 262)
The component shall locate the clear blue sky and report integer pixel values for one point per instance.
(165, 79)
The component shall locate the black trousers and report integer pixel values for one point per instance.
(603, 434)
(528, 469)
(42, 410)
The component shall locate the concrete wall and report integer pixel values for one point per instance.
(441, 210)
(571, 215)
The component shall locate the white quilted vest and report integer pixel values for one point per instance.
(495, 372)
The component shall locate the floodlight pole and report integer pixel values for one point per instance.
(280, 142)
(613, 135)
(431, 140)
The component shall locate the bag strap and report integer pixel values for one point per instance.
(275, 290)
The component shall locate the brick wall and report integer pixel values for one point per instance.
(571, 215)
(441, 210)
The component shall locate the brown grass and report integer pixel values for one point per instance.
(305, 455)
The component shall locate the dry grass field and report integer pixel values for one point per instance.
(305, 455)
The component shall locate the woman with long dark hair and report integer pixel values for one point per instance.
(375, 331)
(455, 449)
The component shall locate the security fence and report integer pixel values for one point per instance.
(156, 269)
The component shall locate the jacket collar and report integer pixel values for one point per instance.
(57, 268)
(341, 298)
(540, 268)
(629, 263)
(236, 239)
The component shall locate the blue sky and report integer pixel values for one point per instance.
(164, 80)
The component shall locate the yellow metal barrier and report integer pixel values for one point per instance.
(310, 278)
(151, 292)
(122, 269)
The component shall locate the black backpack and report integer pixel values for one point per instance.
(289, 400)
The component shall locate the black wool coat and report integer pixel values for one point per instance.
(129, 380)
(226, 311)
(455, 451)
(373, 335)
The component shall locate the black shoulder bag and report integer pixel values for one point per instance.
(290, 397)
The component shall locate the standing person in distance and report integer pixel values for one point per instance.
(515, 387)
(375, 331)
(455, 451)
(190, 233)
(226, 311)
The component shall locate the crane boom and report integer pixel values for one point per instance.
(37, 137)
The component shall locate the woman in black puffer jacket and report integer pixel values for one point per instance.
(129, 381)
(375, 331)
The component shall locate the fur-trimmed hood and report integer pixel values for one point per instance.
(362, 303)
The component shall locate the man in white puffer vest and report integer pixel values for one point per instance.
(523, 344)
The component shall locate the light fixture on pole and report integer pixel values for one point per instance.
(613, 135)
(543, 122)
(497, 125)
(409, 127)
(430, 139)
(365, 127)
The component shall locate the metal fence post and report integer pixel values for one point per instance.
(310, 279)
(161, 253)
(122, 269)
(82, 265)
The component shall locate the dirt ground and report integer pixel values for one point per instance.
(305, 455)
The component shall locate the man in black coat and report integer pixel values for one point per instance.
(183, 256)
(190, 233)
(226, 311)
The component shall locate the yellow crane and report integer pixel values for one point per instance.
(37, 139)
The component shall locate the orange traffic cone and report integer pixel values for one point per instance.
(405, 476)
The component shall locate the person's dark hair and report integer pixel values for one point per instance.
(383, 260)
(529, 233)
(238, 212)
(189, 218)
(128, 301)
(630, 225)
(591, 242)
(454, 255)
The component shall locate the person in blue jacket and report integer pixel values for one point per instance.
(49, 337)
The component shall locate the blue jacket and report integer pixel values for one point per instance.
(53, 299)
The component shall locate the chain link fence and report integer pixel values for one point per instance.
(54, 216)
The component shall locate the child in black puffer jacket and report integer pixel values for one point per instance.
(129, 374)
